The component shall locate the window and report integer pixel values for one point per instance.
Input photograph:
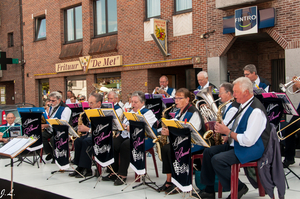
(10, 39)
(153, 8)
(40, 28)
(105, 17)
(73, 24)
(183, 5)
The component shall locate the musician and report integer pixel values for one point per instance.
(186, 112)
(251, 72)
(122, 142)
(69, 95)
(10, 118)
(127, 105)
(226, 94)
(113, 98)
(202, 78)
(290, 144)
(57, 110)
(81, 158)
(250, 133)
(164, 89)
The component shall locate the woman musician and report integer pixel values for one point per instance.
(122, 141)
(186, 112)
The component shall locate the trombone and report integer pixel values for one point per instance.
(283, 138)
(289, 85)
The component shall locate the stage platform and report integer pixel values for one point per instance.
(62, 184)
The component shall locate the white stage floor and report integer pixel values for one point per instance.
(61, 183)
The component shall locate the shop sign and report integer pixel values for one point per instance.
(86, 63)
(158, 31)
(106, 62)
(246, 21)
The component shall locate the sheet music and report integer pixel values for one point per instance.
(16, 146)
(149, 130)
(116, 121)
(196, 137)
(63, 122)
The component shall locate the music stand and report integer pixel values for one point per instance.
(31, 123)
(138, 156)
(180, 143)
(61, 148)
(102, 139)
(12, 149)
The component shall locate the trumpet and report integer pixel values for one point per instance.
(283, 138)
(287, 86)
(161, 88)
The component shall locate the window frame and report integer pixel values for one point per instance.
(146, 12)
(106, 21)
(182, 11)
(74, 23)
(10, 39)
(37, 26)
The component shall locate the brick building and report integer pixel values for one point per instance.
(61, 35)
(11, 80)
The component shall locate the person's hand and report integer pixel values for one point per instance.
(221, 128)
(44, 126)
(82, 128)
(125, 126)
(165, 131)
(225, 139)
(157, 89)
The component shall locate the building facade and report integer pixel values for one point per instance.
(109, 42)
(11, 79)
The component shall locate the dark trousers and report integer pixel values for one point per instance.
(217, 160)
(46, 144)
(82, 156)
(121, 155)
(290, 142)
(166, 158)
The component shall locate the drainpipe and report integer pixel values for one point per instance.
(22, 51)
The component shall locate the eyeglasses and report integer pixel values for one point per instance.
(52, 100)
(246, 74)
(178, 98)
(81, 99)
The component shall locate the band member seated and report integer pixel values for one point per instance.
(58, 110)
(10, 118)
(291, 142)
(226, 94)
(186, 112)
(164, 89)
(202, 78)
(251, 72)
(113, 98)
(250, 132)
(122, 141)
(81, 158)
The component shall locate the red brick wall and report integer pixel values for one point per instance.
(10, 22)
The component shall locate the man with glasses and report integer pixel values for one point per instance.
(164, 89)
(10, 118)
(251, 72)
(82, 98)
(81, 158)
(57, 110)
(202, 78)
(113, 98)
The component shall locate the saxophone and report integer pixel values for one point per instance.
(80, 122)
(162, 140)
(210, 133)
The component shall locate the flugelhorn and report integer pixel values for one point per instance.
(289, 85)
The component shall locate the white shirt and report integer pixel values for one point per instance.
(165, 89)
(68, 101)
(65, 115)
(195, 120)
(127, 105)
(257, 82)
(149, 116)
(13, 124)
(255, 126)
(119, 111)
(229, 115)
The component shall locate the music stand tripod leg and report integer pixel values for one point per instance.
(140, 176)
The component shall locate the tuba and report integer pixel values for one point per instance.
(210, 133)
(162, 140)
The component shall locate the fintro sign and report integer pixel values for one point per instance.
(246, 21)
